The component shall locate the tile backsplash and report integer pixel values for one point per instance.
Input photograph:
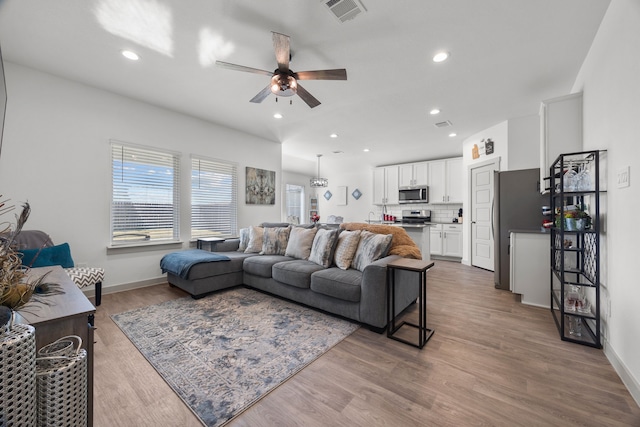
(439, 213)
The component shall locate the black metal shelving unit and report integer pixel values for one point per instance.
(575, 247)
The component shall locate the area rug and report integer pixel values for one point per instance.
(222, 353)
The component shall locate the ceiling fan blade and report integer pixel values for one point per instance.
(310, 100)
(337, 74)
(262, 95)
(243, 68)
(282, 50)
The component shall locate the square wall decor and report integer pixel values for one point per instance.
(261, 187)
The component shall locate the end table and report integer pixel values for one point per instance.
(212, 241)
(420, 267)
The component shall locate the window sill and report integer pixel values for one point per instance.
(141, 247)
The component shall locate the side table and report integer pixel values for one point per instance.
(420, 267)
(212, 241)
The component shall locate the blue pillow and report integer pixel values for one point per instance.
(45, 257)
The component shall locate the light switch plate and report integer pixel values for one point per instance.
(623, 177)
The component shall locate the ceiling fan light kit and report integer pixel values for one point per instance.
(284, 82)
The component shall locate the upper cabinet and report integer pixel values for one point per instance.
(560, 131)
(385, 185)
(445, 181)
(413, 174)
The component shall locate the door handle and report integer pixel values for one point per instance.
(493, 205)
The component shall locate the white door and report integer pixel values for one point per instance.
(482, 215)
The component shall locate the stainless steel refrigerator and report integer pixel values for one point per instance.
(517, 206)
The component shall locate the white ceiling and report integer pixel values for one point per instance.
(506, 56)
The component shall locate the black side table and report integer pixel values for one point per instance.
(212, 241)
(420, 267)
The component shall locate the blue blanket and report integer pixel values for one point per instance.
(179, 263)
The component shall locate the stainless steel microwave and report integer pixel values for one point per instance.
(408, 195)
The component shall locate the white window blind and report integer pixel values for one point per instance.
(145, 201)
(214, 198)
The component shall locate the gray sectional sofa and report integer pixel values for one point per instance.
(355, 294)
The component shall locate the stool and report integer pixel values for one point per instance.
(88, 276)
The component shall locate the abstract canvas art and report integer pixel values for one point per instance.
(261, 187)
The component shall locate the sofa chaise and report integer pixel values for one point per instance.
(340, 271)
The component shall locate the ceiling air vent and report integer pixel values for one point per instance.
(345, 10)
(444, 124)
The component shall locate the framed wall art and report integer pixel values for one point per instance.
(261, 187)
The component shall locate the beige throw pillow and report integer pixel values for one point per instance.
(275, 240)
(371, 247)
(346, 249)
(300, 241)
(255, 240)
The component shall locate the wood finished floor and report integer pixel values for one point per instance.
(491, 362)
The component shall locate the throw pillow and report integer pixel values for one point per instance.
(255, 240)
(45, 257)
(300, 241)
(346, 249)
(371, 247)
(322, 247)
(275, 240)
(244, 239)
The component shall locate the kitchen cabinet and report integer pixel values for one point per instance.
(446, 240)
(575, 247)
(385, 185)
(528, 257)
(560, 131)
(445, 181)
(413, 174)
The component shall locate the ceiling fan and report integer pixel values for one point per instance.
(284, 81)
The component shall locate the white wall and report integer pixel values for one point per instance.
(55, 155)
(352, 176)
(524, 142)
(610, 80)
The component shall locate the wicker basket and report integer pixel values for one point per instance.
(18, 376)
(61, 373)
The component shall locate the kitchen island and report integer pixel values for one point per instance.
(421, 235)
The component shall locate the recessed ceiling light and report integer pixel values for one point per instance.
(333, 135)
(130, 55)
(434, 112)
(277, 116)
(440, 56)
(366, 150)
(452, 134)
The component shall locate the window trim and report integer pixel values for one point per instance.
(233, 169)
(175, 163)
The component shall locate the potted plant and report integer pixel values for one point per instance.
(576, 219)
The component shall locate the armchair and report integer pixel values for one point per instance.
(38, 250)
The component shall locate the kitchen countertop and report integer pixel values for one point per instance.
(529, 230)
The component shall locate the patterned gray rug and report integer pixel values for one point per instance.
(222, 353)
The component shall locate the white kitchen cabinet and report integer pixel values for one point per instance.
(529, 257)
(445, 181)
(385, 185)
(413, 174)
(560, 130)
(452, 240)
(446, 240)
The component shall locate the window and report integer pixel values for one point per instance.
(214, 198)
(145, 194)
(295, 203)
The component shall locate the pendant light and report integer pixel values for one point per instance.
(316, 182)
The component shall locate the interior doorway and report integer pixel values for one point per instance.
(482, 253)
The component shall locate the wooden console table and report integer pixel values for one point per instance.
(70, 313)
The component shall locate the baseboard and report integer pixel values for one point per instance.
(627, 378)
(126, 286)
